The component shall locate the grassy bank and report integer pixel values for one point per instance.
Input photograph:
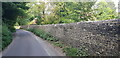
(69, 50)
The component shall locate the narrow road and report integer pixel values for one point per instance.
(27, 44)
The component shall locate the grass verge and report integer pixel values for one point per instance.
(69, 51)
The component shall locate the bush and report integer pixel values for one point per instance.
(58, 44)
(6, 36)
(71, 51)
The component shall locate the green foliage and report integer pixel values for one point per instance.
(23, 21)
(61, 12)
(6, 36)
(69, 12)
(70, 51)
(42, 34)
(76, 11)
(36, 10)
(58, 44)
(118, 17)
(55, 12)
(64, 20)
(105, 11)
(14, 12)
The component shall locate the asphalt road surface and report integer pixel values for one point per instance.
(27, 44)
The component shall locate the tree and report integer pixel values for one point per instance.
(36, 10)
(75, 11)
(61, 12)
(105, 10)
(12, 11)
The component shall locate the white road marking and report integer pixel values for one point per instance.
(43, 47)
